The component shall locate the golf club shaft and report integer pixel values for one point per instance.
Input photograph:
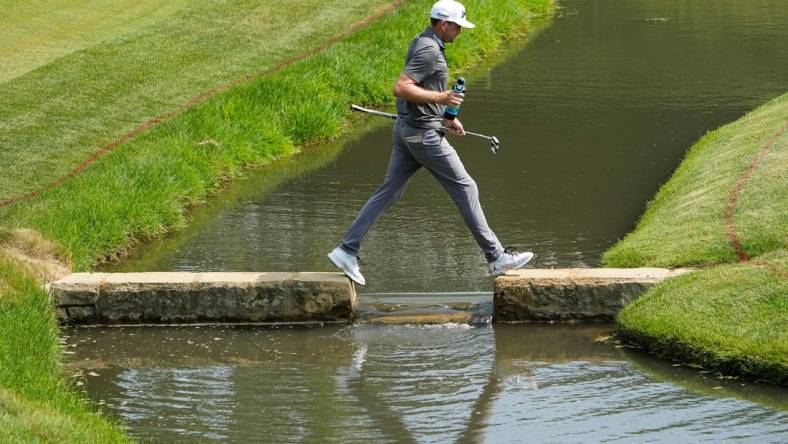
(373, 112)
(478, 135)
(394, 117)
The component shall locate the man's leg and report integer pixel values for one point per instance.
(439, 157)
(401, 168)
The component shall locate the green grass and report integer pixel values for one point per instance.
(684, 225)
(47, 30)
(36, 404)
(142, 189)
(729, 317)
(132, 68)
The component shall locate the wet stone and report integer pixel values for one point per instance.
(192, 297)
(595, 294)
(86, 313)
(74, 293)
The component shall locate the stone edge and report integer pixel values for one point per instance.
(89, 285)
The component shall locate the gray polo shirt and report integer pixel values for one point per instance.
(426, 64)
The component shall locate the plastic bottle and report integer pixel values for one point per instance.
(451, 111)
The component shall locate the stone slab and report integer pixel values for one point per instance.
(179, 297)
(572, 294)
(459, 317)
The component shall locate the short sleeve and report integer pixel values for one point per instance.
(422, 63)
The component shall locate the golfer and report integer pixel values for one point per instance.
(419, 141)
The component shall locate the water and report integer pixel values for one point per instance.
(594, 115)
(446, 383)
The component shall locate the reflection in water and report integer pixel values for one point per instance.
(425, 379)
(609, 401)
(705, 383)
(446, 383)
(174, 407)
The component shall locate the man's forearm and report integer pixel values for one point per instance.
(414, 93)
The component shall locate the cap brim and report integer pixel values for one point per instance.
(464, 23)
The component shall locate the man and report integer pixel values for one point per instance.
(419, 141)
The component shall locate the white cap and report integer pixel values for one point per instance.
(450, 11)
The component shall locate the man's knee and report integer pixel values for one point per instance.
(392, 190)
(465, 190)
(469, 187)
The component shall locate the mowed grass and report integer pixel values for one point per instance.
(684, 225)
(36, 404)
(55, 116)
(142, 189)
(37, 32)
(728, 317)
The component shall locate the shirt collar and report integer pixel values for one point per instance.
(432, 34)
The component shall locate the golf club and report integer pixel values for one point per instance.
(495, 144)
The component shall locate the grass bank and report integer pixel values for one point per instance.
(36, 404)
(59, 113)
(730, 316)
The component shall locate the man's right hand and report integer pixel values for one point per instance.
(451, 98)
(454, 126)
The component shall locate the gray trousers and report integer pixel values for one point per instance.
(414, 148)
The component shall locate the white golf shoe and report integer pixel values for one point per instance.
(348, 263)
(509, 260)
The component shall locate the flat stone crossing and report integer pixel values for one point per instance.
(572, 294)
(162, 298)
(529, 295)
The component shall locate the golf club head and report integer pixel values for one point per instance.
(495, 145)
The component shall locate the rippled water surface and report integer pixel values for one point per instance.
(594, 114)
(447, 383)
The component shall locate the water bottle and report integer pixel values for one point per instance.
(452, 111)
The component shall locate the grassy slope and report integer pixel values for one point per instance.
(684, 224)
(728, 317)
(54, 117)
(141, 189)
(35, 403)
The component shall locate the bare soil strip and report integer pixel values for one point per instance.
(729, 227)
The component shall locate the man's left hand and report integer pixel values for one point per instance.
(454, 126)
